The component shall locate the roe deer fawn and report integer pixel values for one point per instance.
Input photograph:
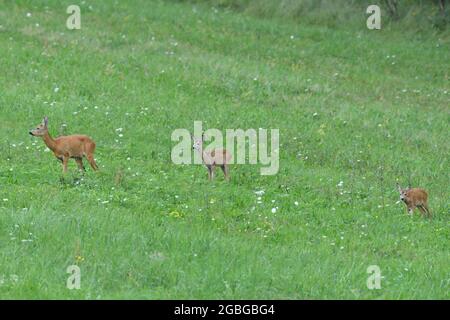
(66, 147)
(213, 158)
(415, 198)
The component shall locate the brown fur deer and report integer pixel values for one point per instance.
(213, 158)
(415, 198)
(67, 147)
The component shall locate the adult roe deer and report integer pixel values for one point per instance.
(67, 147)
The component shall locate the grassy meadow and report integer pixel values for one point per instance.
(357, 110)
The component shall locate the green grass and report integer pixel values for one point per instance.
(363, 107)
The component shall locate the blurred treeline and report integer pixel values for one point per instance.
(410, 14)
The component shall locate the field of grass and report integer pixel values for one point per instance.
(357, 110)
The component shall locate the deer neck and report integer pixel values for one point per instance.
(49, 141)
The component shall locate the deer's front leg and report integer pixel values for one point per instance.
(65, 161)
(209, 172)
(410, 210)
(226, 172)
(80, 164)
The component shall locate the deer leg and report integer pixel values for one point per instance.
(91, 160)
(80, 164)
(410, 210)
(209, 172)
(224, 168)
(425, 210)
(212, 172)
(428, 210)
(65, 161)
(421, 209)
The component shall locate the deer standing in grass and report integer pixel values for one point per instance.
(415, 198)
(67, 147)
(213, 158)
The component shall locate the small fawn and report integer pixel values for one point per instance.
(66, 147)
(213, 158)
(415, 198)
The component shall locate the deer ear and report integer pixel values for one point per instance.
(45, 122)
(399, 188)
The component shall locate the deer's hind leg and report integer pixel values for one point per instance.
(427, 209)
(424, 210)
(225, 170)
(210, 172)
(91, 160)
(89, 154)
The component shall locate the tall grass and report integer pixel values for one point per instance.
(412, 14)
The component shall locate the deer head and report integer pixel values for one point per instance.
(41, 129)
